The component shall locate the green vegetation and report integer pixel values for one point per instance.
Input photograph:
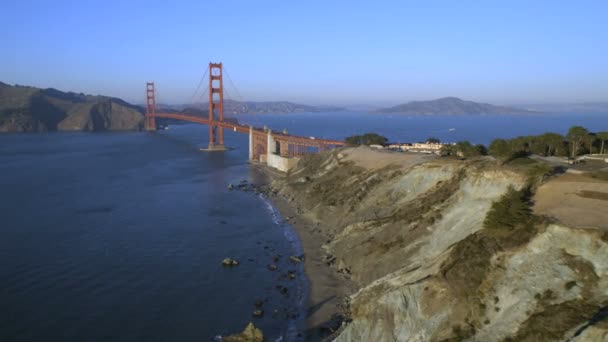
(464, 149)
(433, 141)
(366, 139)
(577, 136)
(512, 210)
(602, 137)
(578, 141)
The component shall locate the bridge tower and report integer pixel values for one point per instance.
(216, 86)
(150, 124)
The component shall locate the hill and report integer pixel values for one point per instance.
(30, 109)
(450, 106)
(269, 107)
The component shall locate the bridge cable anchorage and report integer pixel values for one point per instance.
(200, 83)
(256, 120)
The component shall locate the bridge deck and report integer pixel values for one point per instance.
(290, 139)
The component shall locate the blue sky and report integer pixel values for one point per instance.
(319, 52)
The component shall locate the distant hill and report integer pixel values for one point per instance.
(450, 106)
(268, 107)
(30, 109)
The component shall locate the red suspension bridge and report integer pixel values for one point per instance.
(264, 145)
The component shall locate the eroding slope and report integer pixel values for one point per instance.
(413, 237)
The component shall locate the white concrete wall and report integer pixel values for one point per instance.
(250, 142)
(281, 163)
(271, 146)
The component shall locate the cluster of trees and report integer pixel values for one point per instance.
(464, 149)
(578, 141)
(366, 139)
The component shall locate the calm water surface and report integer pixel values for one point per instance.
(119, 236)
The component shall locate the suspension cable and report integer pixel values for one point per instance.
(255, 117)
(200, 83)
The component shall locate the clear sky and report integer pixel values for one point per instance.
(318, 52)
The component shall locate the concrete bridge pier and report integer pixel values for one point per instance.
(250, 142)
(272, 144)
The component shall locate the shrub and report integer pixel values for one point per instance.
(512, 210)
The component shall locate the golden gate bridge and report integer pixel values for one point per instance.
(264, 145)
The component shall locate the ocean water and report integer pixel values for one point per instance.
(478, 129)
(119, 236)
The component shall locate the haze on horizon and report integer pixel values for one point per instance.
(314, 52)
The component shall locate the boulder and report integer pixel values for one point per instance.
(229, 262)
(296, 259)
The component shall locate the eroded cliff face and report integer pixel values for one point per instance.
(412, 236)
(101, 116)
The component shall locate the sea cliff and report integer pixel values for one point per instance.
(412, 234)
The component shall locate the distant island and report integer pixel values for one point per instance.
(30, 109)
(267, 107)
(450, 106)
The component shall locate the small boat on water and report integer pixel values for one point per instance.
(452, 129)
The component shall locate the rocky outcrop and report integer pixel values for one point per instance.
(414, 240)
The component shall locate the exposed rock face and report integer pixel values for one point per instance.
(29, 109)
(413, 238)
(106, 115)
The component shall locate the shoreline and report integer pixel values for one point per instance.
(327, 288)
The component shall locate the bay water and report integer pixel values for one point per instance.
(120, 236)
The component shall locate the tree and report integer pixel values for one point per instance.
(366, 139)
(448, 150)
(500, 149)
(512, 210)
(603, 137)
(353, 140)
(519, 145)
(481, 149)
(576, 137)
(465, 149)
(590, 140)
(433, 141)
(554, 143)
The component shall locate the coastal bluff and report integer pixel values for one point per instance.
(412, 232)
